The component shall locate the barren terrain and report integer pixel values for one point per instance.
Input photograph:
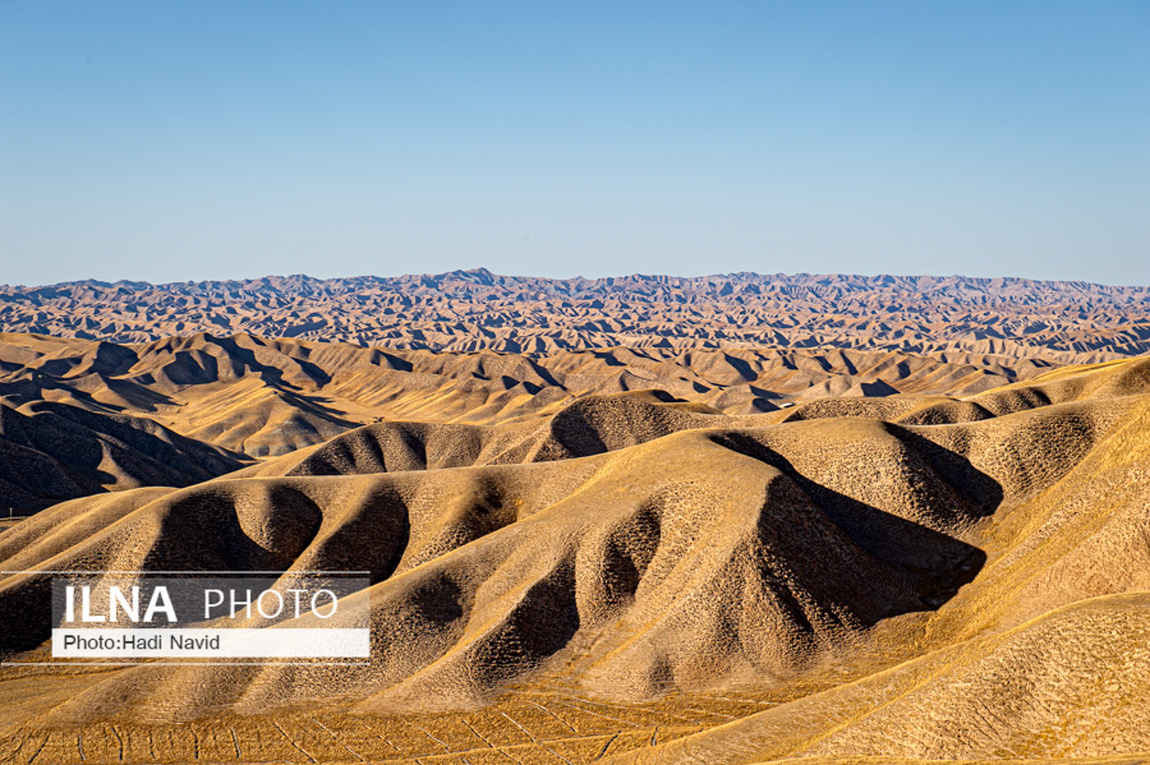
(78, 416)
(615, 554)
(477, 310)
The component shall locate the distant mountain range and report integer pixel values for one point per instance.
(479, 310)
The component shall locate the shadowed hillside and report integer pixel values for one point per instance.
(50, 452)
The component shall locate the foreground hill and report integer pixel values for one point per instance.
(942, 577)
(1070, 322)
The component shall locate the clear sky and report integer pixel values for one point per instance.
(167, 141)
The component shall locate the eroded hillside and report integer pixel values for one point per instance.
(945, 577)
(81, 416)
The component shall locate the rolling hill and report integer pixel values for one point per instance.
(621, 575)
(81, 416)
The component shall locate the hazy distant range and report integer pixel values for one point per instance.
(474, 310)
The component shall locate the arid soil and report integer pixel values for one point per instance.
(908, 577)
(743, 520)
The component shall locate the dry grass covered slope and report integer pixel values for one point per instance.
(948, 577)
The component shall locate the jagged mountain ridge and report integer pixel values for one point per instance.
(1070, 322)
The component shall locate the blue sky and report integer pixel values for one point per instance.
(196, 140)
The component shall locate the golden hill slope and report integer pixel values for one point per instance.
(258, 397)
(931, 577)
(270, 397)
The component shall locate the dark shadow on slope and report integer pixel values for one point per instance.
(540, 624)
(877, 389)
(936, 564)
(55, 451)
(572, 430)
(25, 612)
(204, 531)
(374, 538)
(742, 367)
(956, 470)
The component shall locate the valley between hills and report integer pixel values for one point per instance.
(882, 535)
